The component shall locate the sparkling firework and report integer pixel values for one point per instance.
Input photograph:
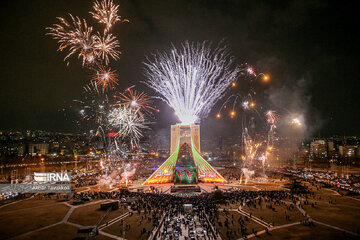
(128, 123)
(250, 71)
(79, 39)
(137, 100)
(251, 149)
(76, 36)
(191, 79)
(106, 12)
(106, 46)
(93, 106)
(243, 105)
(271, 118)
(247, 174)
(105, 77)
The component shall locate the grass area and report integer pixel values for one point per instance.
(15, 199)
(61, 231)
(28, 203)
(136, 223)
(327, 194)
(234, 225)
(343, 217)
(90, 214)
(344, 212)
(276, 217)
(300, 232)
(24, 220)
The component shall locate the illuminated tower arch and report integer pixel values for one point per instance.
(170, 172)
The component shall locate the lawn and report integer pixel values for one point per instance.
(136, 225)
(276, 217)
(300, 232)
(90, 214)
(61, 231)
(14, 223)
(235, 226)
(28, 203)
(339, 216)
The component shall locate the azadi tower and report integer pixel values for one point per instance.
(185, 164)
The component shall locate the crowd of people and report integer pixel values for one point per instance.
(206, 205)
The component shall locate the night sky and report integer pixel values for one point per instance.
(309, 48)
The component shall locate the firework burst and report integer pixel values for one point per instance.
(105, 77)
(138, 100)
(106, 46)
(91, 109)
(106, 12)
(272, 117)
(76, 36)
(191, 79)
(128, 123)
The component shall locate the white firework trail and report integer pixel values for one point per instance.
(272, 118)
(128, 123)
(192, 78)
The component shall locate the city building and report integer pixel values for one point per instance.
(318, 149)
(38, 148)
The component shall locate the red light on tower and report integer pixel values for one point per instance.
(112, 134)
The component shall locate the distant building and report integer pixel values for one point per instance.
(348, 151)
(318, 149)
(330, 146)
(36, 148)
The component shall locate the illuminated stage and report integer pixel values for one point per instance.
(185, 164)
